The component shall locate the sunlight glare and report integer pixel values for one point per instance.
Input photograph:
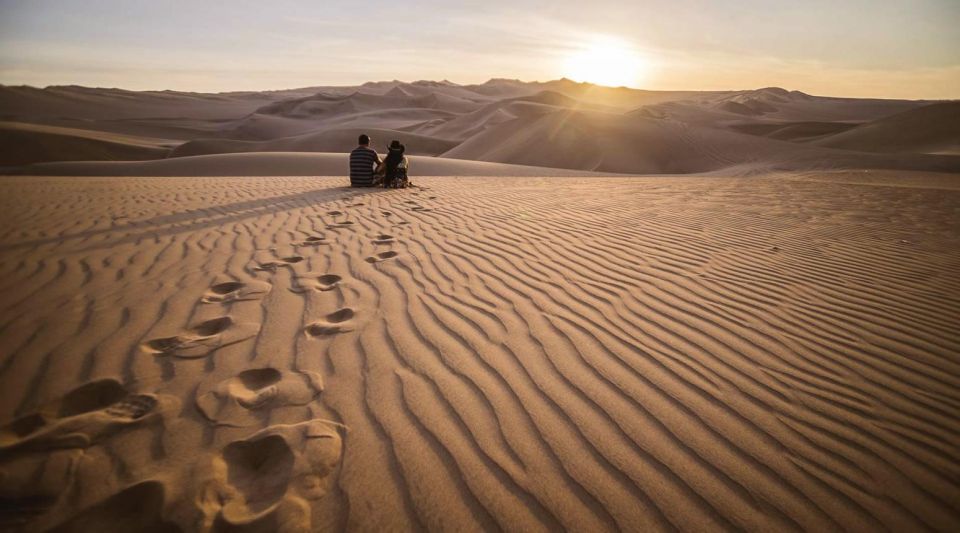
(607, 61)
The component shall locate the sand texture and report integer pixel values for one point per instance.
(772, 353)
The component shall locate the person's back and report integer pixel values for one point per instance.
(362, 161)
(394, 156)
(396, 165)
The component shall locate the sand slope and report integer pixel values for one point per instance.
(330, 140)
(30, 143)
(103, 103)
(930, 129)
(638, 144)
(773, 104)
(641, 354)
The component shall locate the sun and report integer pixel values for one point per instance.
(607, 61)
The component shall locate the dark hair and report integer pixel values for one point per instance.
(364, 139)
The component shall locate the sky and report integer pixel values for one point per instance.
(864, 48)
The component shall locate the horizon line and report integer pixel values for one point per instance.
(447, 81)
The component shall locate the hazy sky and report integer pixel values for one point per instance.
(887, 48)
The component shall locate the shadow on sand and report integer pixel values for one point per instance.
(196, 219)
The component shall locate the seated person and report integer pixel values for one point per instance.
(395, 166)
(362, 162)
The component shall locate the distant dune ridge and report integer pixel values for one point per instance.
(557, 124)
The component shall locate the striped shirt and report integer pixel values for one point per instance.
(362, 160)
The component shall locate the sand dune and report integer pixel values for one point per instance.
(102, 103)
(611, 143)
(774, 104)
(175, 129)
(623, 97)
(31, 143)
(638, 144)
(330, 140)
(640, 354)
(265, 127)
(468, 125)
(929, 129)
(428, 87)
(278, 164)
(556, 124)
(793, 131)
(322, 104)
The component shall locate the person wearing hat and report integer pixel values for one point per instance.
(396, 166)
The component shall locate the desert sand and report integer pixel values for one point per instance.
(558, 124)
(598, 309)
(766, 353)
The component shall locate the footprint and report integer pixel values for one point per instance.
(313, 241)
(432, 198)
(327, 282)
(382, 256)
(323, 282)
(272, 266)
(138, 507)
(386, 213)
(83, 417)
(358, 204)
(25, 505)
(260, 471)
(334, 213)
(254, 388)
(32, 483)
(231, 402)
(91, 397)
(344, 224)
(383, 239)
(336, 322)
(133, 407)
(226, 288)
(271, 473)
(235, 291)
(86, 398)
(421, 209)
(204, 338)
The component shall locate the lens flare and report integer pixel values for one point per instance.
(607, 61)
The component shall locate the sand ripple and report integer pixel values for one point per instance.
(766, 354)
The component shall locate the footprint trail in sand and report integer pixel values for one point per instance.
(654, 354)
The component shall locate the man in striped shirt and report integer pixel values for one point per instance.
(362, 162)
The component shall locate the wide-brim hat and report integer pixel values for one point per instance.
(395, 145)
